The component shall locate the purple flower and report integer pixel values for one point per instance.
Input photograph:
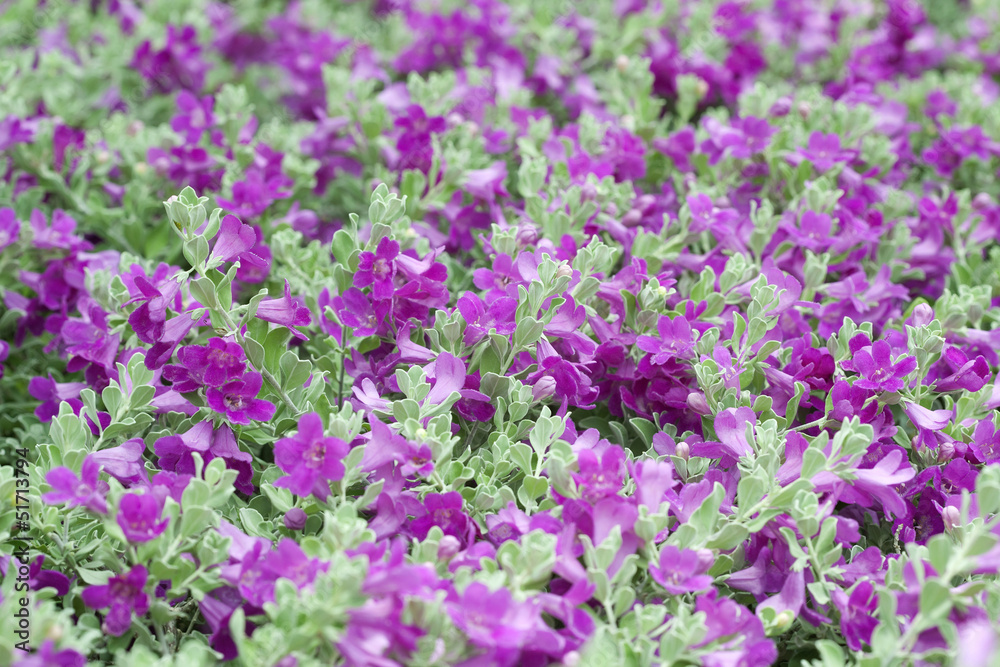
(178, 65)
(602, 476)
(285, 311)
(487, 184)
(378, 269)
(310, 459)
(968, 374)
(176, 452)
(824, 151)
(494, 620)
(84, 491)
(124, 462)
(985, 445)
(47, 656)
(52, 393)
(444, 510)
(295, 519)
(174, 332)
(238, 401)
(480, 319)
(878, 372)
(138, 516)
(234, 239)
(675, 340)
(252, 196)
(194, 117)
(10, 227)
(739, 632)
(149, 319)
(355, 310)
(39, 578)
(681, 571)
(121, 596)
(857, 614)
(288, 561)
(212, 365)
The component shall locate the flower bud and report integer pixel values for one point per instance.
(572, 658)
(448, 547)
(945, 452)
(923, 315)
(804, 109)
(781, 107)
(544, 387)
(644, 203)
(706, 559)
(682, 450)
(982, 201)
(564, 271)
(588, 192)
(295, 519)
(611, 209)
(952, 518)
(140, 168)
(527, 234)
(621, 62)
(702, 88)
(632, 218)
(697, 402)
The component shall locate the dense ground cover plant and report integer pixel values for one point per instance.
(499, 333)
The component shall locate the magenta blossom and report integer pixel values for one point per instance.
(310, 459)
(878, 371)
(675, 340)
(138, 516)
(682, 570)
(121, 596)
(238, 401)
(378, 269)
(285, 311)
(87, 490)
(212, 365)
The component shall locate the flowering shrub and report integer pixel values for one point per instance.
(500, 333)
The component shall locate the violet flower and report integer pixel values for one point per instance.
(480, 319)
(285, 311)
(148, 321)
(124, 462)
(494, 620)
(233, 239)
(47, 656)
(878, 371)
(138, 516)
(238, 401)
(675, 340)
(39, 578)
(213, 365)
(857, 614)
(10, 227)
(52, 393)
(378, 269)
(87, 490)
(444, 510)
(681, 571)
(121, 596)
(310, 459)
(176, 452)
